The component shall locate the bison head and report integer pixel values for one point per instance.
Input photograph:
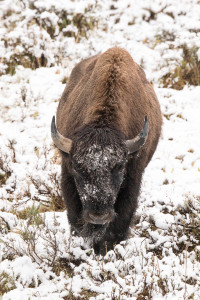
(98, 164)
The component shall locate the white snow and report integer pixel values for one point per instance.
(42, 261)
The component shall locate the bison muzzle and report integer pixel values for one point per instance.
(108, 127)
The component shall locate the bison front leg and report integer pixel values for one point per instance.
(102, 247)
(115, 233)
(72, 203)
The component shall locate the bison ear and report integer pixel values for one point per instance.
(62, 143)
(137, 142)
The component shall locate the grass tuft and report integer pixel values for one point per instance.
(5, 171)
(6, 283)
(187, 71)
(32, 214)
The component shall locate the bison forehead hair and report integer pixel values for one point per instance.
(98, 148)
(98, 158)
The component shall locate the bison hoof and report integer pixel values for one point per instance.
(102, 248)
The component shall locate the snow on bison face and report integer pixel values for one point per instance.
(98, 174)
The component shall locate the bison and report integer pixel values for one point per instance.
(108, 127)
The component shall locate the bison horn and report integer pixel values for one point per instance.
(136, 143)
(59, 140)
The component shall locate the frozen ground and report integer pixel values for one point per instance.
(40, 43)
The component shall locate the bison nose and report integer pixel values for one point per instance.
(100, 219)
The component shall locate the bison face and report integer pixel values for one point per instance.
(98, 174)
(99, 157)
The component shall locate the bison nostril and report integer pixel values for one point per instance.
(98, 217)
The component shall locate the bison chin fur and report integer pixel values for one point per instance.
(95, 236)
(92, 233)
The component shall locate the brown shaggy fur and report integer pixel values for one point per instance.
(109, 90)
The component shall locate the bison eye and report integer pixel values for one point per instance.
(77, 175)
(118, 168)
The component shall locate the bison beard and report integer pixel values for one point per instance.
(105, 144)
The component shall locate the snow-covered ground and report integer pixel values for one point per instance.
(40, 43)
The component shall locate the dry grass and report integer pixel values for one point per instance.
(7, 283)
(69, 24)
(186, 72)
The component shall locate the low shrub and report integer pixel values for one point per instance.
(186, 72)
